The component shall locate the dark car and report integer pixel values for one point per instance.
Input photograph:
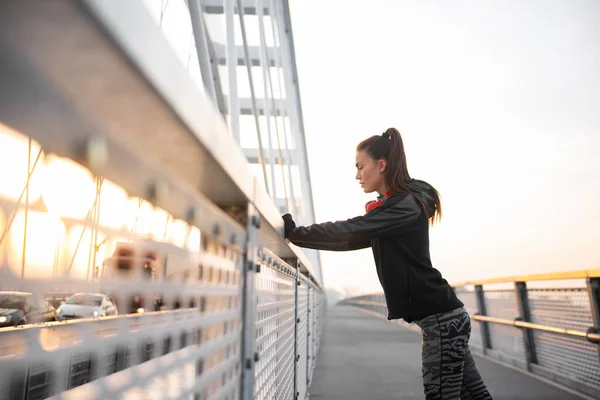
(18, 308)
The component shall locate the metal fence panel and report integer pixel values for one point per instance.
(571, 358)
(563, 322)
(506, 340)
(469, 299)
(302, 340)
(190, 345)
(134, 213)
(275, 291)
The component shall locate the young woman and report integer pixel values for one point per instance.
(396, 228)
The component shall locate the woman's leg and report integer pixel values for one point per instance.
(445, 338)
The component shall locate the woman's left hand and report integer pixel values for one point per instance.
(289, 224)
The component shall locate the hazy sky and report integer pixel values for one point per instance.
(499, 107)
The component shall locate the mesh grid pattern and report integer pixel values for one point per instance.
(505, 339)
(310, 342)
(574, 358)
(568, 308)
(190, 346)
(302, 339)
(179, 295)
(318, 305)
(274, 372)
(177, 275)
(569, 357)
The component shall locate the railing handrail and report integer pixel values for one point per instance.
(591, 336)
(550, 276)
(553, 323)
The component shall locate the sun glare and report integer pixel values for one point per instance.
(2, 245)
(13, 157)
(44, 233)
(55, 245)
(113, 205)
(69, 189)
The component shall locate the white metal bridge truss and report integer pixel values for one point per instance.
(134, 165)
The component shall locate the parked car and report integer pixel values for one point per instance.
(18, 308)
(87, 305)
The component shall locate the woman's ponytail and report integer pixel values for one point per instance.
(390, 147)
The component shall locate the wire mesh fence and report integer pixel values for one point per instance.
(558, 347)
(106, 295)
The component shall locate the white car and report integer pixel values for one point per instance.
(87, 305)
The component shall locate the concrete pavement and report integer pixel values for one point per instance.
(363, 357)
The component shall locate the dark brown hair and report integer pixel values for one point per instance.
(389, 147)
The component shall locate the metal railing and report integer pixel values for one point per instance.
(129, 185)
(548, 324)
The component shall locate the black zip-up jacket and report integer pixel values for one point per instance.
(398, 233)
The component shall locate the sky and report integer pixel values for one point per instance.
(498, 104)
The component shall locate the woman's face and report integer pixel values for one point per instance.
(369, 173)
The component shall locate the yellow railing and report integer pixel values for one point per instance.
(548, 317)
(550, 276)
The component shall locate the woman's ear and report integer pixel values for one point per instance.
(381, 165)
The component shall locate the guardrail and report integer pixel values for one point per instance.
(125, 181)
(548, 324)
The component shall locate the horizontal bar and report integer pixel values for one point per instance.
(370, 303)
(221, 52)
(276, 106)
(552, 276)
(219, 9)
(538, 327)
(142, 375)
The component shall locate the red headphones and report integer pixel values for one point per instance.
(376, 203)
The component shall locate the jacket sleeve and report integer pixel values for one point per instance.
(337, 246)
(377, 223)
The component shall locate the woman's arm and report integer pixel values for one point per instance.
(379, 222)
(342, 246)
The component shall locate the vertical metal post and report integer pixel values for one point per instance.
(593, 286)
(482, 310)
(90, 273)
(249, 300)
(202, 47)
(206, 57)
(525, 315)
(296, 322)
(297, 123)
(234, 104)
(26, 210)
(308, 334)
(265, 63)
(286, 161)
(255, 111)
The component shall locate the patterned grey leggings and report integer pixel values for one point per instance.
(449, 370)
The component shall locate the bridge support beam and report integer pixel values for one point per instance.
(296, 333)
(481, 310)
(525, 315)
(593, 286)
